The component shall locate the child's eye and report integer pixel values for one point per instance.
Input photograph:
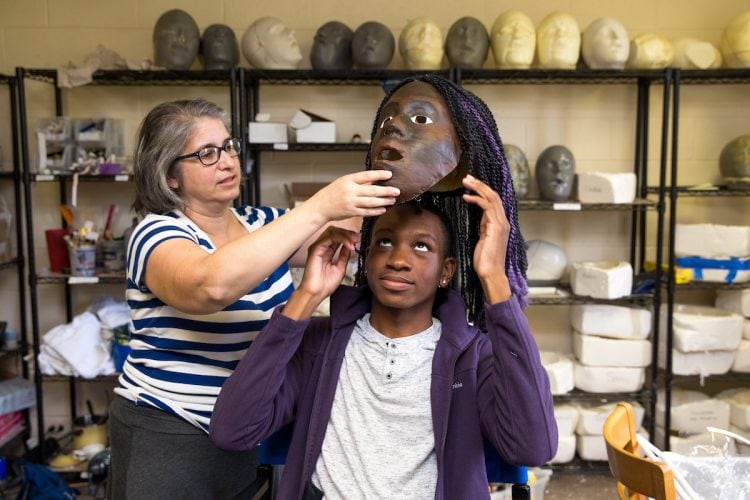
(385, 242)
(385, 121)
(422, 247)
(421, 119)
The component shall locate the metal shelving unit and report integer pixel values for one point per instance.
(18, 262)
(676, 191)
(252, 81)
(114, 78)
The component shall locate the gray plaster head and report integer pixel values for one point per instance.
(555, 173)
(421, 44)
(735, 42)
(519, 170)
(467, 43)
(373, 46)
(332, 46)
(734, 163)
(605, 44)
(513, 40)
(219, 47)
(269, 44)
(176, 40)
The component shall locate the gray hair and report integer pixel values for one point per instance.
(162, 136)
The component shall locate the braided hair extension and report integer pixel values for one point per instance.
(484, 156)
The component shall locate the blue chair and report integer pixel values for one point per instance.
(273, 452)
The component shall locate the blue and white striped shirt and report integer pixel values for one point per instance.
(178, 362)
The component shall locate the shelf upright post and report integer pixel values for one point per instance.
(28, 213)
(671, 257)
(640, 167)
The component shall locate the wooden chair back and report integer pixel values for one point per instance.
(637, 477)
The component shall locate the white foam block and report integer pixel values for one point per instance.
(604, 187)
(566, 417)
(712, 241)
(608, 378)
(599, 351)
(566, 449)
(559, 368)
(692, 411)
(736, 301)
(601, 280)
(699, 328)
(612, 321)
(739, 404)
(687, 444)
(591, 447)
(742, 358)
(591, 417)
(698, 363)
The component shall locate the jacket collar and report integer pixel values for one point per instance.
(349, 304)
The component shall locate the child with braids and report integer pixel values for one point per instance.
(396, 393)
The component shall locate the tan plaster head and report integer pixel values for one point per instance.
(513, 40)
(269, 44)
(558, 41)
(421, 44)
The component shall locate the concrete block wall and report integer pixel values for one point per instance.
(596, 122)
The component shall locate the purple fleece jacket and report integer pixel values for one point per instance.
(483, 384)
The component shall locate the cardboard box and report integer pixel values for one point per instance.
(267, 133)
(310, 127)
(298, 192)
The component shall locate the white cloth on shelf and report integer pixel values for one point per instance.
(80, 346)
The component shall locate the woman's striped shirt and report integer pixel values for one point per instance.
(178, 362)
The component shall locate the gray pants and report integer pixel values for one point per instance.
(156, 455)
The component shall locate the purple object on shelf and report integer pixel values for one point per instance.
(109, 168)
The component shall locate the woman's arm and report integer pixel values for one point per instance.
(193, 281)
(260, 396)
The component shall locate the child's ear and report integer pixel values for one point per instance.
(449, 268)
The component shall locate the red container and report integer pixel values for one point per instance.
(57, 250)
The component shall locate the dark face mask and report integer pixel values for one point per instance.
(417, 141)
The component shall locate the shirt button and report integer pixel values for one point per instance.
(393, 361)
(388, 376)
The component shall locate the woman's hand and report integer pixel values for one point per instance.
(491, 249)
(325, 268)
(355, 195)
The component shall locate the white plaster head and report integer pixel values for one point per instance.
(605, 44)
(513, 40)
(691, 53)
(735, 42)
(558, 41)
(421, 44)
(269, 44)
(650, 51)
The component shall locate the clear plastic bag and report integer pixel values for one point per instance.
(708, 472)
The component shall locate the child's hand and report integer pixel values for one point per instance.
(494, 231)
(326, 261)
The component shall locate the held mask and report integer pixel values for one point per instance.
(417, 141)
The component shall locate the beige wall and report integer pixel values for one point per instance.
(595, 122)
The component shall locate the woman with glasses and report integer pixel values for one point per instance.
(203, 277)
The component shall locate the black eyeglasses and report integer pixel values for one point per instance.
(210, 155)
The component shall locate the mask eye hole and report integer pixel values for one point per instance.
(385, 121)
(421, 119)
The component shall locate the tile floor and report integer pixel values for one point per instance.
(591, 485)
